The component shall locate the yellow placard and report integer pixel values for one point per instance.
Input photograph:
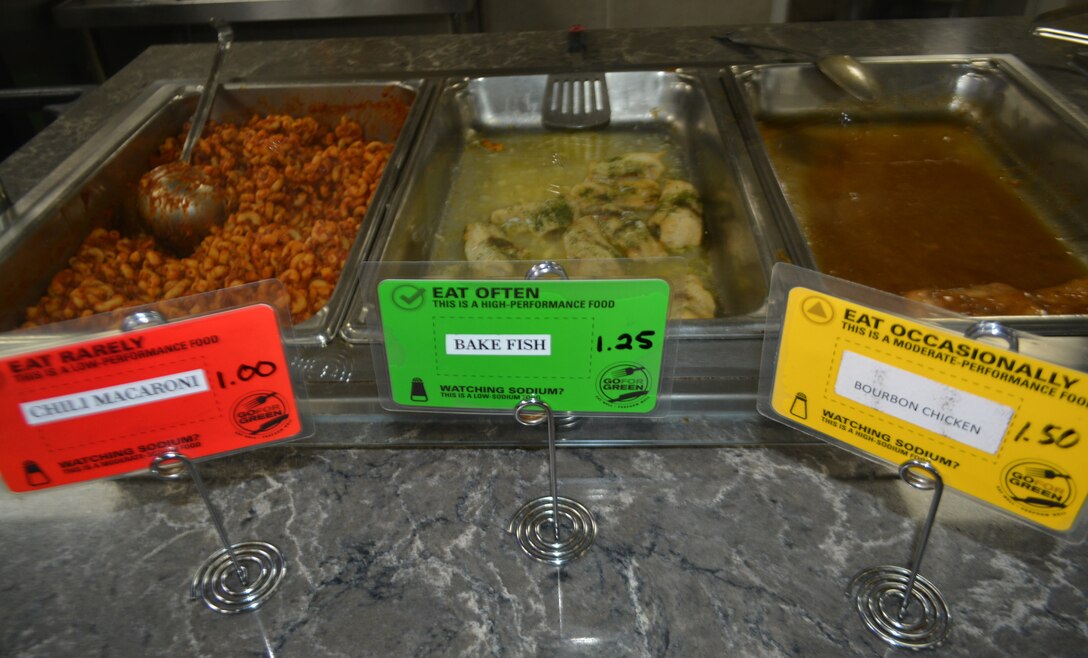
(1006, 428)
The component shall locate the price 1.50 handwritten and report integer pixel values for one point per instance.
(1050, 435)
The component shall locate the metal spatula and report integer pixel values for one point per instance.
(575, 101)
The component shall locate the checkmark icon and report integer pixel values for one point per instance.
(409, 297)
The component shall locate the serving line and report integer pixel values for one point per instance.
(738, 552)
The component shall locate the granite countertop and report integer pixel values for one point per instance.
(733, 551)
(742, 550)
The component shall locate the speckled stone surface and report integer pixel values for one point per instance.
(730, 551)
(738, 551)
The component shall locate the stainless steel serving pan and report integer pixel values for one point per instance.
(1031, 128)
(675, 103)
(98, 180)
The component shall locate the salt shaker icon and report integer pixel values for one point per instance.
(799, 407)
(419, 392)
(35, 476)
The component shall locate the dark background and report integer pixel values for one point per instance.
(43, 66)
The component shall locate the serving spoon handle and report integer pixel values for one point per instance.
(225, 37)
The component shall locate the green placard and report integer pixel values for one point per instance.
(583, 346)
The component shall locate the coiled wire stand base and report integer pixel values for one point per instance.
(897, 604)
(878, 594)
(217, 582)
(533, 528)
(238, 577)
(551, 529)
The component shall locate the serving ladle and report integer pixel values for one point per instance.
(177, 201)
(846, 72)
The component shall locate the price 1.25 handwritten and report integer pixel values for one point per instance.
(642, 340)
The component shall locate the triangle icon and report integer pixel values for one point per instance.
(818, 310)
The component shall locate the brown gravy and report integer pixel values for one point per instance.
(907, 205)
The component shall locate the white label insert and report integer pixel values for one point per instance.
(920, 401)
(110, 398)
(499, 344)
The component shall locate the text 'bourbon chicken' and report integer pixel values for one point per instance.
(296, 194)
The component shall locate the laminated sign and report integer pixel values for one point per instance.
(1004, 427)
(105, 407)
(586, 346)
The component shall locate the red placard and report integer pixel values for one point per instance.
(106, 407)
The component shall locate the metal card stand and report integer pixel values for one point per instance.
(422, 347)
(897, 604)
(835, 351)
(238, 577)
(572, 527)
(225, 581)
(136, 395)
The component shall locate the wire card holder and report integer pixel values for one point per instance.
(238, 577)
(990, 411)
(159, 387)
(572, 527)
(469, 337)
(899, 605)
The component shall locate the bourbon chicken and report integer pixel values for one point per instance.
(296, 194)
(1069, 298)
